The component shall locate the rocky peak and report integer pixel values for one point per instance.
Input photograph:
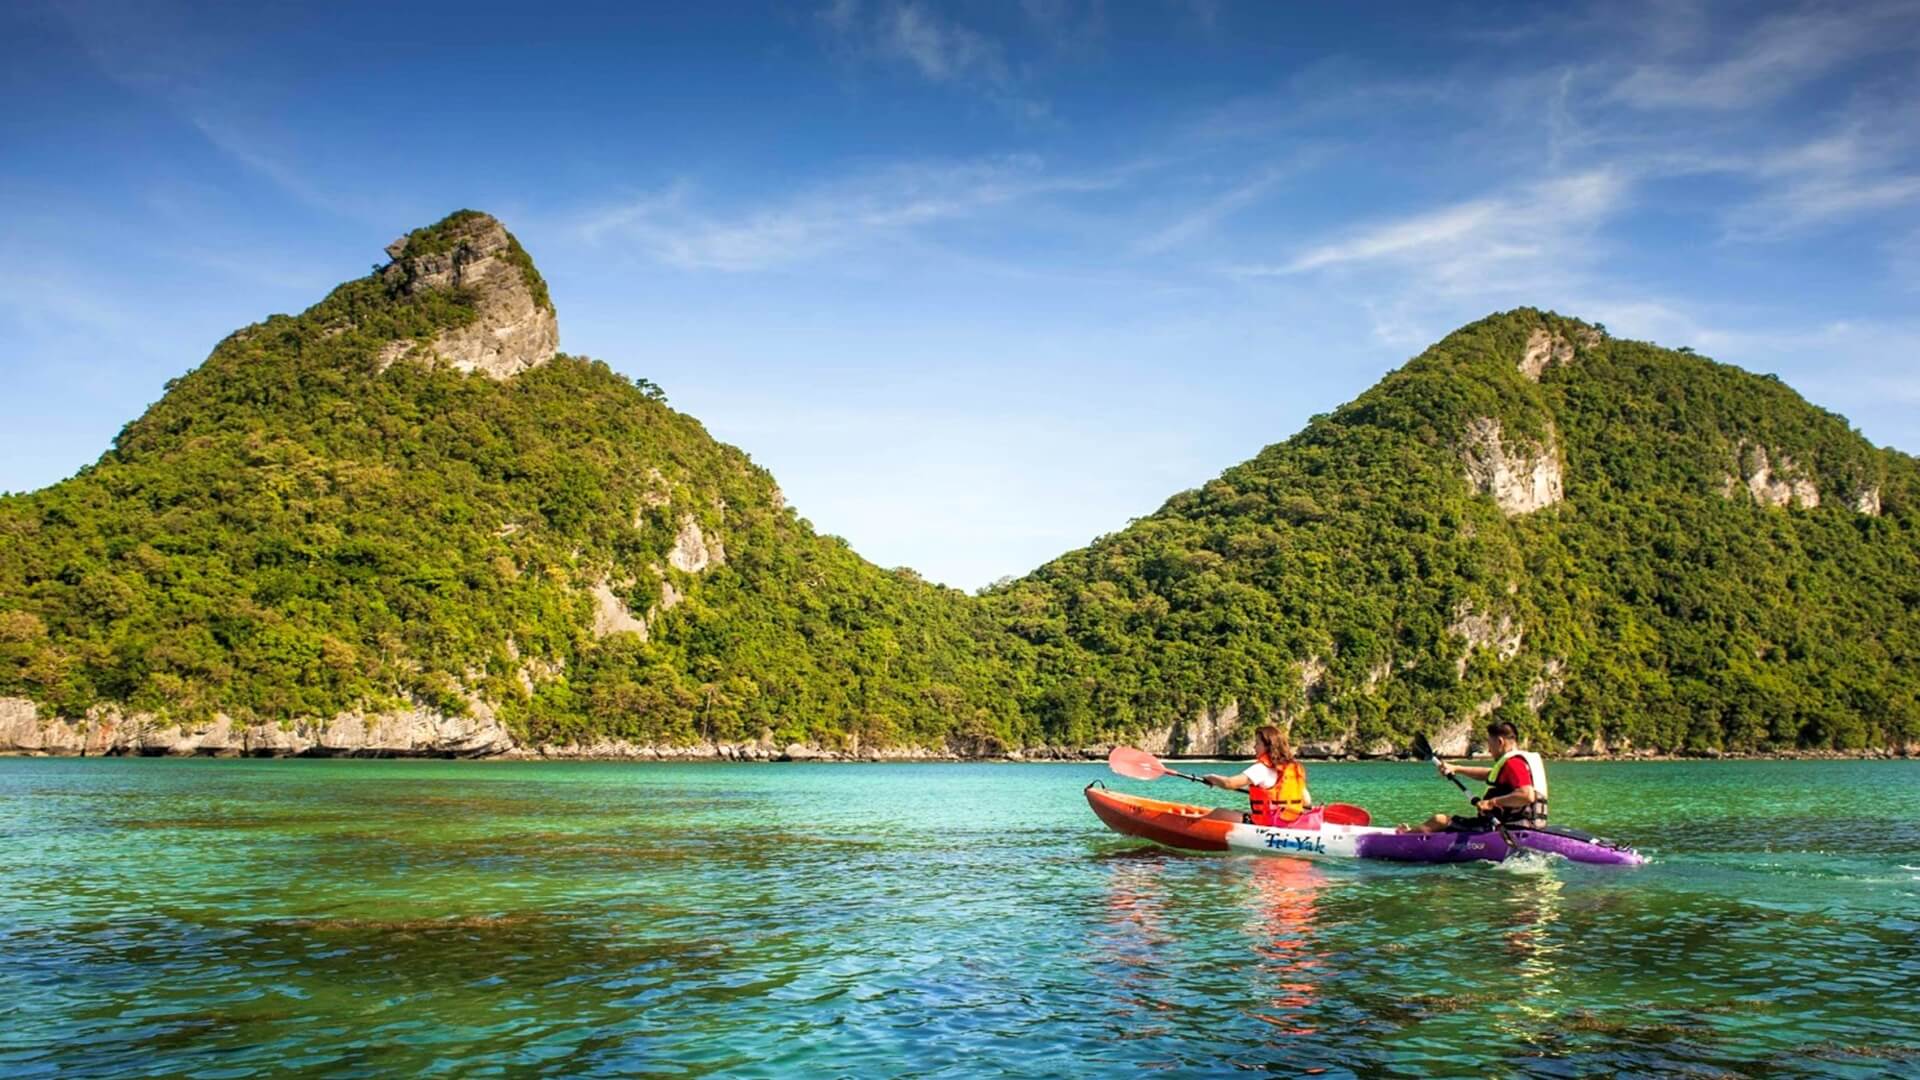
(471, 251)
(1544, 349)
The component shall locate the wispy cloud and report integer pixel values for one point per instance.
(1471, 239)
(1071, 27)
(251, 151)
(1845, 174)
(919, 39)
(1775, 57)
(149, 49)
(1202, 220)
(861, 211)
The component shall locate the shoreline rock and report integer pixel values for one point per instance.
(108, 732)
(422, 733)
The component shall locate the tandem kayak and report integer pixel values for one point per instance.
(1201, 828)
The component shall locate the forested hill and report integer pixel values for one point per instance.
(402, 521)
(404, 503)
(1615, 545)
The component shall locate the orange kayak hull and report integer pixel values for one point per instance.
(1176, 825)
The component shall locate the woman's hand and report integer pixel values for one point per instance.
(1445, 769)
(1215, 780)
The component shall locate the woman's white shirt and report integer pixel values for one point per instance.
(1260, 775)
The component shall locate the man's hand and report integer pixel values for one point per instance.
(1483, 805)
(1445, 769)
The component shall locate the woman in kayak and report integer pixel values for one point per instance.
(1276, 782)
(1516, 787)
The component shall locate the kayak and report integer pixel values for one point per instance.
(1201, 828)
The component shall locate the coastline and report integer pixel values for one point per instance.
(422, 733)
(697, 755)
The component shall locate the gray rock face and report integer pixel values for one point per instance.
(1544, 349)
(1553, 679)
(1775, 480)
(1210, 731)
(1483, 631)
(610, 614)
(1520, 479)
(1454, 740)
(515, 330)
(693, 551)
(406, 733)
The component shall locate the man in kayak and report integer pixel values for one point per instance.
(1516, 787)
(1276, 782)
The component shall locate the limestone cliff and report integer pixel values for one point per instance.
(1775, 480)
(416, 732)
(514, 328)
(1521, 478)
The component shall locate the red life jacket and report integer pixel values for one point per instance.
(1283, 802)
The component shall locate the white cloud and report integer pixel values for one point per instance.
(250, 150)
(1775, 57)
(1447, 228)
(1205, 218)
(1836, 177)
(940, 50)
(151, 50)
(866, 210)
(1467, 241)
(1826, 200)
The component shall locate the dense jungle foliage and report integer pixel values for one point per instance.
(294, 530)
(1335, 578)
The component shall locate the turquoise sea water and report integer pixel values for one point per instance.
(232, 918)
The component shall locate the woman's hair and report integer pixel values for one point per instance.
(1504, 729)
(1276, 742)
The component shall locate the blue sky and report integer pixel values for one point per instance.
(978, 282)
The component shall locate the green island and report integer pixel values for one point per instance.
(402, 522)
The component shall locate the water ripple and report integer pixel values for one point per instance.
(232, 918)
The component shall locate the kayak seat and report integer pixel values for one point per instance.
(1309, 819)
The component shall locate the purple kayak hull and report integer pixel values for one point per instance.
(1443, 847)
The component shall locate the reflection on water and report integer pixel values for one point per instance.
(1130, 946)
(396, 918)
(1285, 939)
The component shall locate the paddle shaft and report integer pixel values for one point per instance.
(1202, 780)
(1497, 824)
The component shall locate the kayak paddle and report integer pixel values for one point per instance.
(1140, 765)
(1425, 749)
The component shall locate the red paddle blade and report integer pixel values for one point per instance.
(1339, 813)
(1135, 764)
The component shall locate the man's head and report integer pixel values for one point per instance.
(1502, 736)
